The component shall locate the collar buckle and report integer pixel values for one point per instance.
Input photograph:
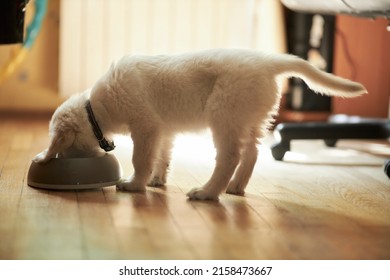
(106, 145)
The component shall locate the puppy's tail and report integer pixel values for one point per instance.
(317, 80)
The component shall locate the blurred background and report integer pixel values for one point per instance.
(78, 40)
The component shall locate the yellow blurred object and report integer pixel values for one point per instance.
(14, 61)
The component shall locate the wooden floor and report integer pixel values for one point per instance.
(320, 203)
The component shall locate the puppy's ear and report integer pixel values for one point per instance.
(60, 141)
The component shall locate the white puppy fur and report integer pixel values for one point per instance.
(235, 93)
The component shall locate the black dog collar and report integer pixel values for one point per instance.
(103, 143)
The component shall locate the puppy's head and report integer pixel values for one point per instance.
(70, 132)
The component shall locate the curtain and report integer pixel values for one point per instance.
(93, 33)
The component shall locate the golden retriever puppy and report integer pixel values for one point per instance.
(234, 93)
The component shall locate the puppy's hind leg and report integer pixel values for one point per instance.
(228, 154)
(245, 169)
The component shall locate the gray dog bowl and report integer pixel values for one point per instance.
(75, 173)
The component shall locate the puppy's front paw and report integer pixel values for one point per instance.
(156, 182)
(130, 186)
(234, 188)
(201, 194)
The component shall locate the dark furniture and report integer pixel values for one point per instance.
(336, 128)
